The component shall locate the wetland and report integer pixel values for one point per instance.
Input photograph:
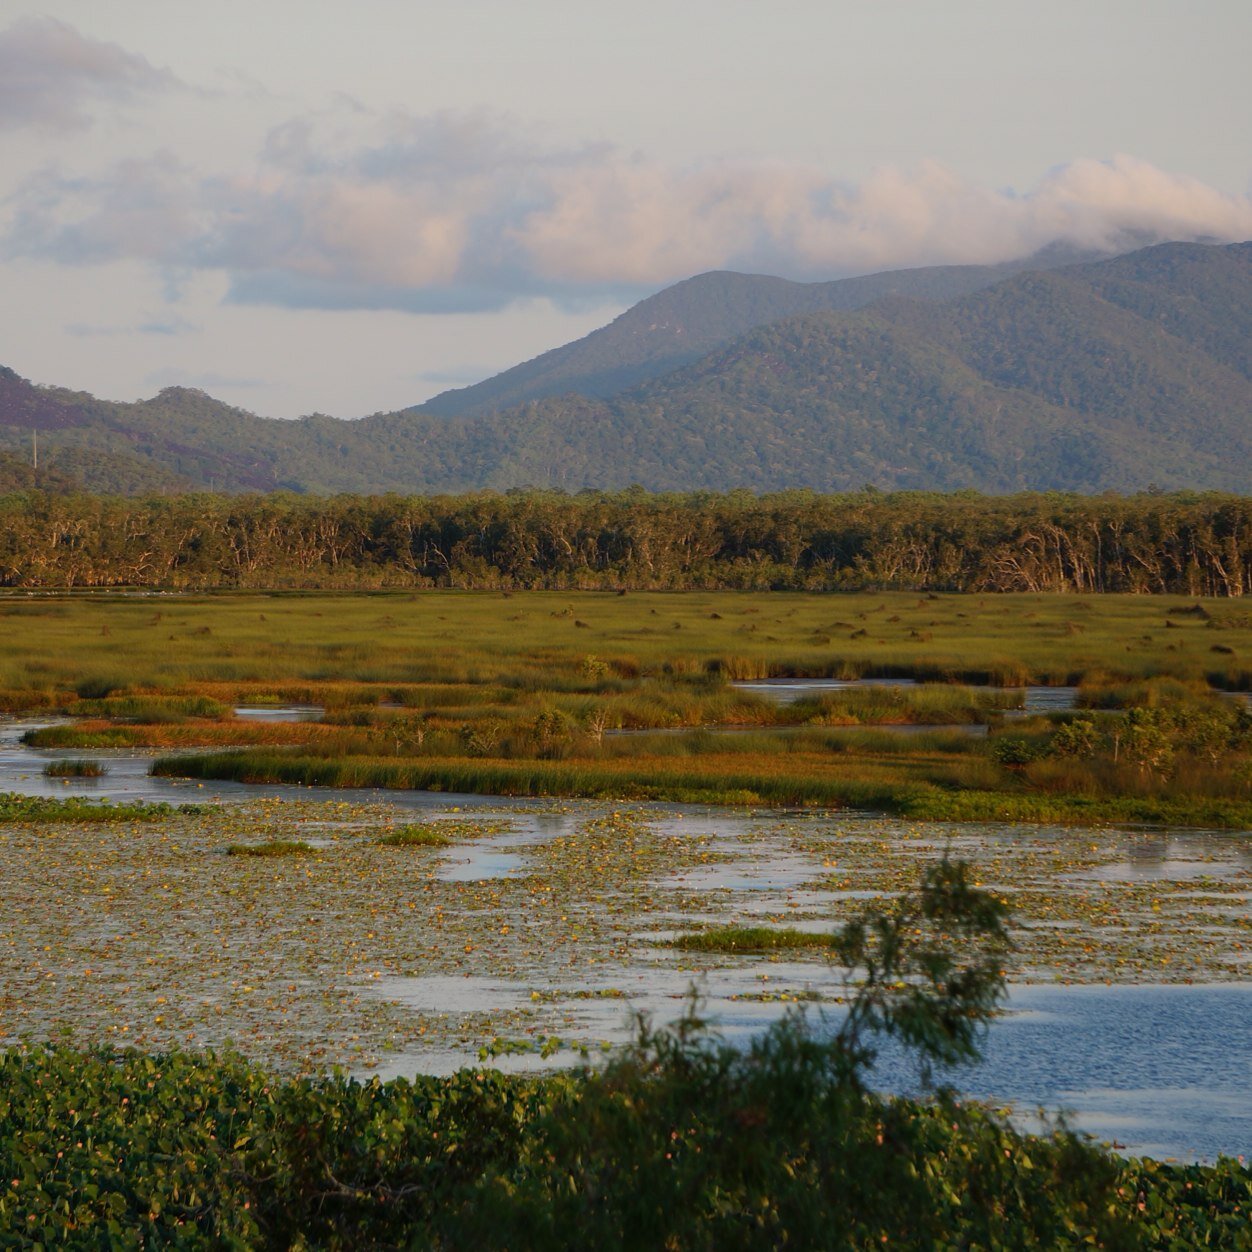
(406, 915)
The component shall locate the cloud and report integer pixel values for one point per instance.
(205, 381)
(459, 213)
(159, 325)
(51, 76)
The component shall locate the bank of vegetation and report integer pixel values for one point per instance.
(41, 809)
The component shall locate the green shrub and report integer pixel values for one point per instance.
(1014, 750)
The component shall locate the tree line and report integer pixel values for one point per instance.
(1189, 544)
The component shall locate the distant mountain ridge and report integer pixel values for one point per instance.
(1109, 375)
(682, 323)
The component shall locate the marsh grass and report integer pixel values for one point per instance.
(1073, 809)
(1099, 691)
(271, 848)
(752, 939)
(518, 695)
(147, 708)
(929, 704)
(304, 648)
(75, 769)
(98, 734)
(939, 787)
(724, 782)
(416, 836)
(27, 700)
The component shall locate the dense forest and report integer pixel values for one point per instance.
(1194, 545)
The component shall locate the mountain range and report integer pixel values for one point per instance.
(1113, 374)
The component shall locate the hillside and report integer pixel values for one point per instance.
(684, 322)
(1112, 375)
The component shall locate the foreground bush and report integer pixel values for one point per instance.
(682, 1144)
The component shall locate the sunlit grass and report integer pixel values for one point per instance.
(487, 693)
(307, 647)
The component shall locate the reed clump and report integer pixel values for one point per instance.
(416, 836)
(928, 704)
(271, 848)
(75, 769)
(752, 939)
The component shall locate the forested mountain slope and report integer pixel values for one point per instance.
(1118, 375)
(682, 323)
(1115, 375)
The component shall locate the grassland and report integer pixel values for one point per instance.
(600, 694)
(325, 648)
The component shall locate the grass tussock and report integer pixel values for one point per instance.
(752, 939)
(928, 704)
(75, 769)
(271, 848)
(426, 835)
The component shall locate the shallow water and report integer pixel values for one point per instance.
(789, 690)
(1155, 1071)
(279, 712)
(21, 771)
(1160, 1068)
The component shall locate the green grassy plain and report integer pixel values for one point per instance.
(324, 644)
(525, 693)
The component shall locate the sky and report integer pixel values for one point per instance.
(307, 206)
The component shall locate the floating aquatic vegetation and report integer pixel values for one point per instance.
(138, 930)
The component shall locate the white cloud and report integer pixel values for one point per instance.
(51, 76)
(458, 212)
